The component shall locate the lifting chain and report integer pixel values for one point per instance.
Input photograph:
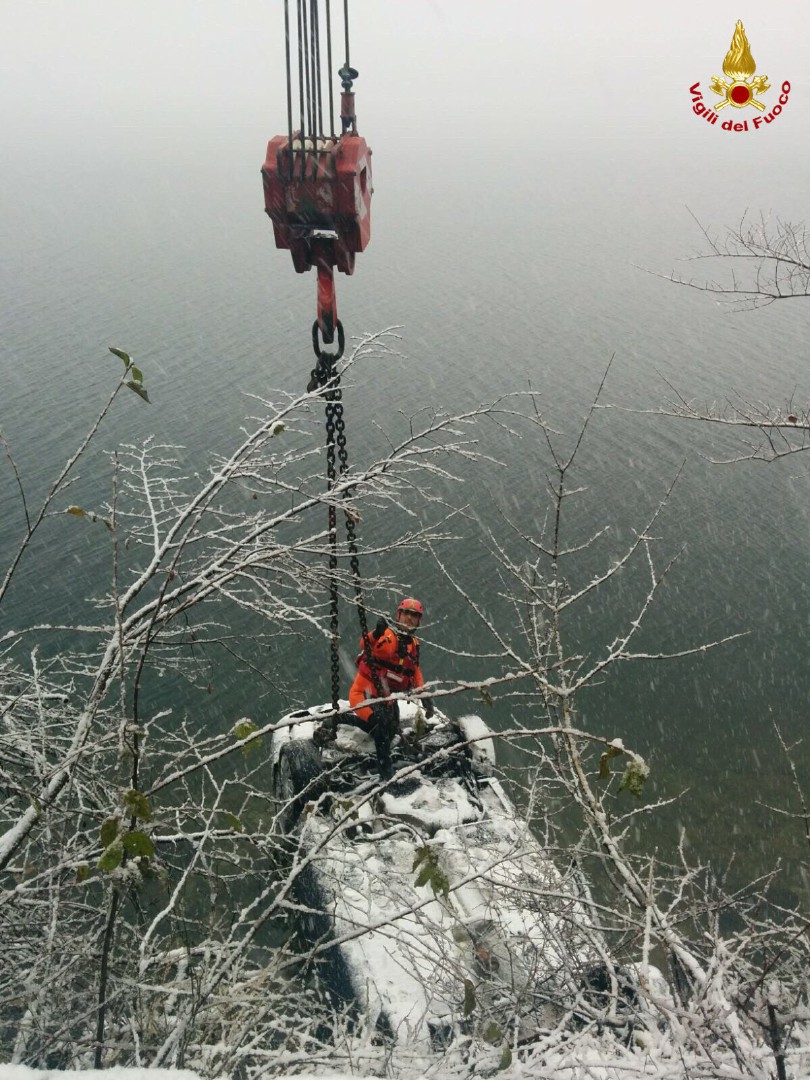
(325, 374)
(325, 358)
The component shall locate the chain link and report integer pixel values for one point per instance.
(354, 560)
(322, 354)
(324, 373)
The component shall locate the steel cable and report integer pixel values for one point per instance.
(310, 99)
(329, 67)
(315, 30)
(289, 84)
(346, 28)
(301, 89)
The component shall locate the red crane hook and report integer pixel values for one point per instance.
(317, 193)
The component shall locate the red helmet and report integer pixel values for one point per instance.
(409, 604)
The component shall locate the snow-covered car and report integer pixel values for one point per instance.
(428, 899)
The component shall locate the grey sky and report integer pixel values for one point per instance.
(480, 114)
(583, 69)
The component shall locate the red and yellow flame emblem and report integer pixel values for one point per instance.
(739, 67)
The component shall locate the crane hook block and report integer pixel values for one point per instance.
(317, 193)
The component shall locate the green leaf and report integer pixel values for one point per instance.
(421, 854)
(506, 1059)
(234, 822)
(139, 390)
(439, 883)
(108, 831)
(485, 694)
(138, 844)
(121, 356)
(424, 875)
(77, 511)
(112, 857)
(634, 777)
(136, 803)
(492, 1033)
(137, 375)
(82, 873)
(605, 760)
(243, 730)
(469, 997)
(431, 873)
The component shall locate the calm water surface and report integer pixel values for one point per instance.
(524, 276)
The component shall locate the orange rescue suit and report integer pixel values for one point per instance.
(396, 665)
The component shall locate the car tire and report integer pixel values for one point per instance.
(296, 781)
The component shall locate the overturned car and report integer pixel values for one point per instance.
(426, 899)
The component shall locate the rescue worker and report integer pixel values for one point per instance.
(395, 667)
(392, 667)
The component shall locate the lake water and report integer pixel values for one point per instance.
(502, 268)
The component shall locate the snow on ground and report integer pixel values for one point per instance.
(22, 1072)
(594, 1058)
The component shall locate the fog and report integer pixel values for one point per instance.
(528, 159)
(81, 71)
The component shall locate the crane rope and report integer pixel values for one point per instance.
(310, 70)
(346, 26)
(324, 235)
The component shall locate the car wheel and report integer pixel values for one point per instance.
(297, 776)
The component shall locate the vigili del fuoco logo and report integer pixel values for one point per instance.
(741, 89)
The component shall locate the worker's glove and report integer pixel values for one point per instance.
(427, 702)
(379, 629)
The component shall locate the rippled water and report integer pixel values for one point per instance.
(500, 274)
